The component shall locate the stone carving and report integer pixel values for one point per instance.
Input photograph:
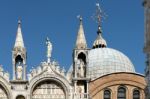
(19, 71)
(81, 68)
(49, 90)
(49, 49)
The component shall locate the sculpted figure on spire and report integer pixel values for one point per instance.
(49, 49)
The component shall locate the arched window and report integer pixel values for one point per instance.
(136, 94)
(121, 93)
(107, 94)
(20, 97)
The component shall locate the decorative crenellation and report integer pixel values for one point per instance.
(4, 74)
(45, 67)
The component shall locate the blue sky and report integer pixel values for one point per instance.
(123, 28)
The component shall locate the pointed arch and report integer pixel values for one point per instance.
(20, 97)
(18, 59)
(82, 56)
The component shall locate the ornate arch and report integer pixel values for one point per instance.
(5, 85)
(62, 82)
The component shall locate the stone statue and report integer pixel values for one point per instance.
(81, 68)
(19, 71)
(79, 89)
(49, 49)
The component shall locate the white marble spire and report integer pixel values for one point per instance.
(81, 41)
(19, 39)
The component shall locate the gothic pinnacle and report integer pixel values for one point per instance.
(19, 39)
(81, 41)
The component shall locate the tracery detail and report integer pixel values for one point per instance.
(48, 90)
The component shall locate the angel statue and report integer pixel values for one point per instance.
(19, 71)
(81, 68)
(49, 49)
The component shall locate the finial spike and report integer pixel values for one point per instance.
(99, 30)
(79, 17)
(19, 21)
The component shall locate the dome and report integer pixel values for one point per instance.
(104, 61)
(99, 41)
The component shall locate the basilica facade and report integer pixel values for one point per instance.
(96, 73)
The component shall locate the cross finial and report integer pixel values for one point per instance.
(98, 15)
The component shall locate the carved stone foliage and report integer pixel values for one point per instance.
(47, 68)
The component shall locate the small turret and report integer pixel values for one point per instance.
(99, 42)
